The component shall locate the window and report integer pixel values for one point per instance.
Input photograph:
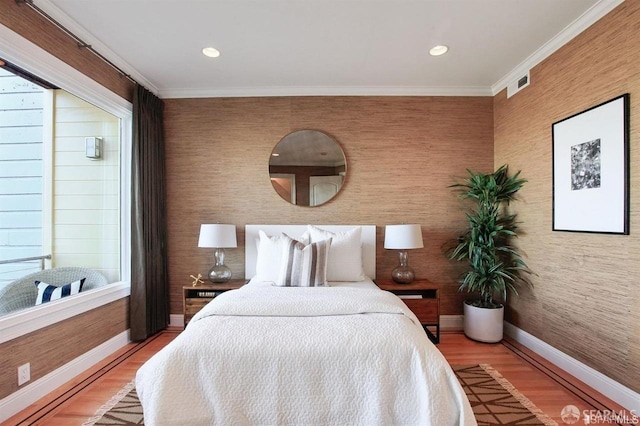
(83, 205)
(55, 202)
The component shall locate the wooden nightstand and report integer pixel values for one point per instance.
(422, 297)
(194, 298)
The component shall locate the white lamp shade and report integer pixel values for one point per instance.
(403, 237)
(218, 236)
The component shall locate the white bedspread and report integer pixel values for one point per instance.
(302, 356)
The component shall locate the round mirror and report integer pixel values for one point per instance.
(307, 168)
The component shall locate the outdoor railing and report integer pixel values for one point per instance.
(30, 265)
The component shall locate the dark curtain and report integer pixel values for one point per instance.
(149, 303)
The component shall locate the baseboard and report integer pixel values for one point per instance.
(176, 320)
(451, 322)
(29, 394)
(617, 392)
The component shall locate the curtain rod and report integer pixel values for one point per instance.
(81, 44)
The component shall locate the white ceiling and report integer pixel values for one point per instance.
(325, 47)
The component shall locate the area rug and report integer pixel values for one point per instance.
(494, 401)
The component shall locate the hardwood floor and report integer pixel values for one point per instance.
(547, 387)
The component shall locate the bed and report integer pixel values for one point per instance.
(275, 353)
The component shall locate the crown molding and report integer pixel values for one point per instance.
(81, 32)
(325, 91)
(588, 18)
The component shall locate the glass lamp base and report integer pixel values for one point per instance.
(402, 275)
(219, 274)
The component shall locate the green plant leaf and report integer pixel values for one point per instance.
(495, 266)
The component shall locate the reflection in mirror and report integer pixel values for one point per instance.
(307, 168)
(60, 215)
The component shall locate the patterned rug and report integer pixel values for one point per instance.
(494, 401)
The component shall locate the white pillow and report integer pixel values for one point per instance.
(345, 255)
(303, 265)
(270, 254)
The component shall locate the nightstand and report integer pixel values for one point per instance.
(194, 298)
(422, 297)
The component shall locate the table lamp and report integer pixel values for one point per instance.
(403, 237)
(218, 236)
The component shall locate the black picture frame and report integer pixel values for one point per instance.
(591, 169)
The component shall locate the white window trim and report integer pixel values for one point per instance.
(23, 53)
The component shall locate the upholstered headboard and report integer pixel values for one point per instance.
(251, 237)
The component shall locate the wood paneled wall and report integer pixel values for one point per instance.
(587, 292)
(30, 25)
(54, 346)
(402, 153)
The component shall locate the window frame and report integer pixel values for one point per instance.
(25, 54)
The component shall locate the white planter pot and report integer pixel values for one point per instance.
(483, 324)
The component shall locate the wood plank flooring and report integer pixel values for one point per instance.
(547, 387)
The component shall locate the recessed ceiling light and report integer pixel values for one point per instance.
(211, 52)
(438, 50)
(275, 154)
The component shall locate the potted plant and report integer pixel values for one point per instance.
(495, 266)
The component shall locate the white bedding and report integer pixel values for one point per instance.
(264, 355)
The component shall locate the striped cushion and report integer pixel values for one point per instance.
(48, 292)
(270, 255)
(303, 266)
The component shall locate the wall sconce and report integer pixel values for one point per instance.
(219, 237)
(403, 237)
(93, 147)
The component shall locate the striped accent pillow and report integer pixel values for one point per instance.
(48, 292)
(303, 266)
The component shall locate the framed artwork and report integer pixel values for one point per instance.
(591, 169)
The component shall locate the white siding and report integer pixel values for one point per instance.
(21, 139)
(86, 207)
